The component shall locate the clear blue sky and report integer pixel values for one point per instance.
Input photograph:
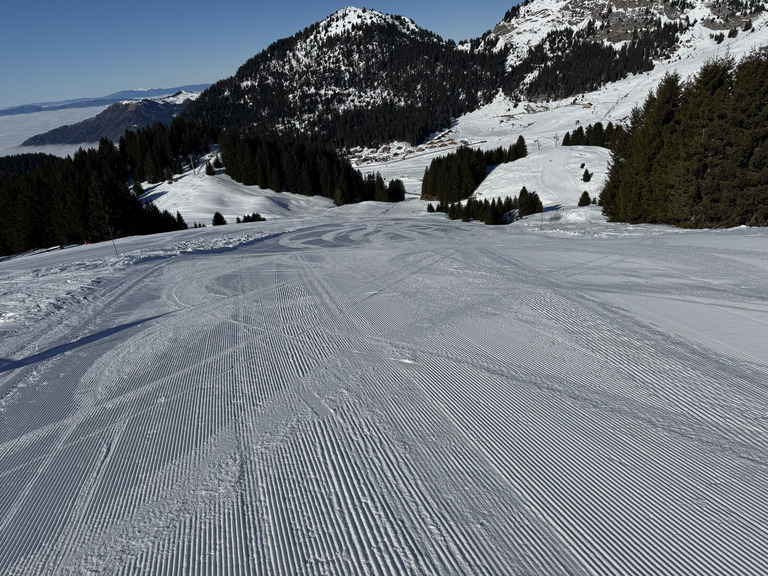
(53, 51)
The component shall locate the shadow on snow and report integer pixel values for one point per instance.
(7, 365)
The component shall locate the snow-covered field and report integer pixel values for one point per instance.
(371, 391)
(197, 196)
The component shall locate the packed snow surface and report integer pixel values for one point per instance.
(373, 391)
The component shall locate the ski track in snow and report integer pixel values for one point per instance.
(389, 395)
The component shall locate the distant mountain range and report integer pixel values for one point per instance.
(116, 119)
(101, 100)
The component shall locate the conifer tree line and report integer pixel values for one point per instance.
(156, 152)
(75, 200)
(19, 164)
(696, 153)
(457, 175)
(495, 212)
(252, 217)
(595, 135)
(84, 197)
(282, 163)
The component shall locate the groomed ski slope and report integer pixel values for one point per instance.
(374, 390)
(371, 391)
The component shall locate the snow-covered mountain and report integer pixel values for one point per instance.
(561, 48)
(116, 119)
(527, 25)
(20, 123)
(101, 101)
(356, 77)
(362, 77)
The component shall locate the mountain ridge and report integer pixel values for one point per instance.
(115, 120)
(136, 94)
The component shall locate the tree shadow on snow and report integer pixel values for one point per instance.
(7, 364)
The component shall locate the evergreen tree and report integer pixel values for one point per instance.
(528, 203)
(695, 155)
(218, 219)
(396, 191)
(456, 176)
(521, 148)
(578, 138)
(381, 193)
(284, 163)
(630, 188)
(595, 135)
(747, 116)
